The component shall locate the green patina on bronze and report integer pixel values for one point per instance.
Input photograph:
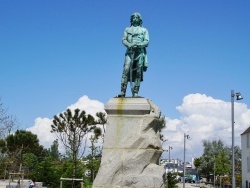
(135, 39)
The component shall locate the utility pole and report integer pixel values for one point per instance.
(238, 97)
(184, 165)
(169, 148)
(177, 167)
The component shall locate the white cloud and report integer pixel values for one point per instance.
(88, 105)
(42, 126)
(202, 117)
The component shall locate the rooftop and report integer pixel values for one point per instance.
(246, 131)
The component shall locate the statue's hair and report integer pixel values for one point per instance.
(136, 14)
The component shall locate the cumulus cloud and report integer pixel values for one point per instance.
(42, 126)
(88, 105)
(203, 118)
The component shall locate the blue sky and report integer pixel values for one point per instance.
(54, 52)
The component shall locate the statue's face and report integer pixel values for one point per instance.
(135, 20)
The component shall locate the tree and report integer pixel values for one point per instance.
(102, 120)
(7, 122)
(171, 180)
(71, 128)
(237, 158)
(160, 126)
(222, 164)
(3, 113)
(19, 143)
(48, 172)
(20, 149)
(215, 158)
(54, 152)
(197, 163)
(30, 160)
(95, 152)
(24, 141)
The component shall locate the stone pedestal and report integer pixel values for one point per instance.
(132, 147)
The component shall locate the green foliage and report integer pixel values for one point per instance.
(3, 162)
(24, 141)
(87, 184)
(94, 157)
(46, 172)
(3, 146)
(161, 123)
(30, 160)
(226, 181)
(97, 132)
(101, 119)
(71, 128)
(93, 166)
(54, 152)
(67, 173)
(197, 163)
(15, 146)
(222, 163)
(49, 172)
(171, 180)
(237, 157)
(216, 159)
(211, 151)
(160, 126)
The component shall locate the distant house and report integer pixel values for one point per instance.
(176, 166)
(245, 162)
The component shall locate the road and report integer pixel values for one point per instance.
(192, 185)
(3, 183)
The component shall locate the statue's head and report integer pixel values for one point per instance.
(138, 15)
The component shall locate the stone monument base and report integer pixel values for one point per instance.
(132, 147)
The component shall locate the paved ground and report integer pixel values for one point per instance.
(193, 185)
(3, 183)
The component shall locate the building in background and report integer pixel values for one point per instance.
(245, 155)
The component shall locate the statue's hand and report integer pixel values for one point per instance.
(145, 69)
(133, 45)
(130, 45)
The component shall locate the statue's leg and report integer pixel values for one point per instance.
(137, 81)
(123, 90)
(124, 80)
(136, 88)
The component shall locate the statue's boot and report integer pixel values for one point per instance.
(135, 91)
(123, 90)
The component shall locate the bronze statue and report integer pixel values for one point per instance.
(136, 39)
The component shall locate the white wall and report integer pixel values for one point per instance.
(245, 154)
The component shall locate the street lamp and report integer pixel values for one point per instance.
(169, 148)
(238, 97)
(184, 165)
(162, 142)
(162, 155)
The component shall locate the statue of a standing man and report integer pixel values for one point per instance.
(136, 39)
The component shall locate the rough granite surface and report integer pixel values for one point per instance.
(132, 147)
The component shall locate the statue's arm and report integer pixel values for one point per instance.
(145, 42)
(125, 39)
